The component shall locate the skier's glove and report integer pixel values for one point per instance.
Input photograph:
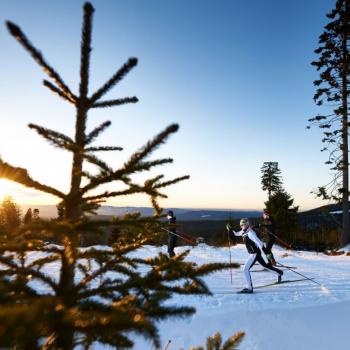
(228, 227)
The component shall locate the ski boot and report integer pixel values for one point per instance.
(279, 278)
(246, 291)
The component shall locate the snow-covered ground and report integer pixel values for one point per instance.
(300, 315)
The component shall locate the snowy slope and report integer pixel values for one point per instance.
(289, 316)
(284, 317)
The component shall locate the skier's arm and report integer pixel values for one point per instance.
(237, 234)
(230, 229)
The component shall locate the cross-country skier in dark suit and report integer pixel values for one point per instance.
(269, 226)
(255, 249)
(172, 238)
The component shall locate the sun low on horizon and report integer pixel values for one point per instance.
(22, 195)
(8, 188)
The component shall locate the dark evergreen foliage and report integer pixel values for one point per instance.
(36, 214)
(281, 207)
(28, 217)
(10, 217)
(99, 295)
(215, 342)
(271, 178)
(332, 91)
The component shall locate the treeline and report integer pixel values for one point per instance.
(316, 234)
(320, 237)
(11, 217)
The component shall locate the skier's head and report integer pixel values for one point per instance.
(244, 223)
(170, 214)
(266, 214)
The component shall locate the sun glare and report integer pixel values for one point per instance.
(7, 188)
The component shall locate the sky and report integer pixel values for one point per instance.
(234, 74)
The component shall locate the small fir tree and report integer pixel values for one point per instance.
(10, 216)
(99, 295)
(332, 89)
(28, 217)
(271, 178)
(36, 214)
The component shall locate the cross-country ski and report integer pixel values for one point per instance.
(282, 282)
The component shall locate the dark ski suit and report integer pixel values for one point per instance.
(172, 239)
(269, 226)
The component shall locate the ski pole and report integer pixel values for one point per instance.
(229, 250)
(300, 274)
(175, 234)
(167, 345)
(279, 239)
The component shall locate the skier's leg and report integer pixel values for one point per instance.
(247, 266)
(262, 262)
(271, 241)
(171, 245)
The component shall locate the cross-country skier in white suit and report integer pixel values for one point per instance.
(255, 248)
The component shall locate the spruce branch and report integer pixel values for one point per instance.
(145, 166)
(132, 189)
(150, 147)
(98, 162)
(157, 208)
(21, 176)
(17, 33)
(118, 76)
(133, 163)
(95, 132)
(103, 149)
(117, 102)
(171, 182)
(15, 269)
(54, 137)
(58, 91)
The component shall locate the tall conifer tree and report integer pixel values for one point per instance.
(271, 178)
(99, 295)
(333, 90)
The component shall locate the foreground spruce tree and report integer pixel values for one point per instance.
(333, 90)
(97, 295)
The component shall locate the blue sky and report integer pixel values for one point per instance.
(235, 75)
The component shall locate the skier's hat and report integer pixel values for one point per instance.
(243, 222)
(266, 214)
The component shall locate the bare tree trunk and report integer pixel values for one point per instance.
(345, 145)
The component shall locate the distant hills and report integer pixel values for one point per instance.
(330, 214)
(182, 214)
